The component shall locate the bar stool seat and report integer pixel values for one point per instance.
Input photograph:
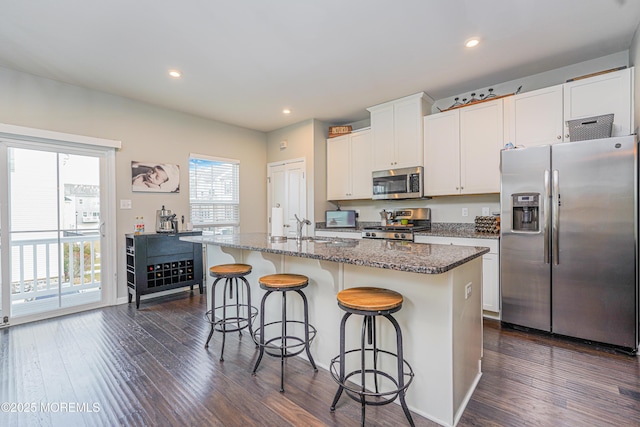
(234, 314)
(223, 270)
(285, 344)
(370, 299)
(371, 302)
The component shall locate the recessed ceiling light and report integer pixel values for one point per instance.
(286, 111)
(175, 74)
(472, 42)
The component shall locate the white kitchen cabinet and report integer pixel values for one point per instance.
(490, 268)
(604, 94)
(462, 150)
(539, 117)
(481, 139)
(397, 130)
(442, 153)
(349, 166)
(536, 117)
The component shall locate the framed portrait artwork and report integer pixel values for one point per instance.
(155, 177)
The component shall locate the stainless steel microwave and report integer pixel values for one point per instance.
(396, 184)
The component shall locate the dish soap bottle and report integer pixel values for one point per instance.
(139, 225)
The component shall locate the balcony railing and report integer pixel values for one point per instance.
(50, 273)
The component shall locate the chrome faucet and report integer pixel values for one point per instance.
(301, 223)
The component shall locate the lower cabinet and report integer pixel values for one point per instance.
(159, 262)
(490, 268)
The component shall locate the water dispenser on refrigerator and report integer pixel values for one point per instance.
(526, 209)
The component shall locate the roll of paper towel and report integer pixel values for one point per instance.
(277, 222)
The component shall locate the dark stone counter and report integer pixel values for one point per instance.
(394, 255)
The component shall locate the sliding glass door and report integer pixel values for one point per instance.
(54, 231)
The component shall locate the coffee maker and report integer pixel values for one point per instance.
(166, 221)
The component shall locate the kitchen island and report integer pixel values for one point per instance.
(441, 317)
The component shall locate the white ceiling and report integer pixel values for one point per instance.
(243, 61)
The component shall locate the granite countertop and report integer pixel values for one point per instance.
(454, 229)
(440, 229)
(394, 255)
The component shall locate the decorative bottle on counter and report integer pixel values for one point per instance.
(139, 225)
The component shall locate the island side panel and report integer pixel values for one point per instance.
(467, 334)
(433, 318)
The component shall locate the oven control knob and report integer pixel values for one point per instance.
(373, 234)
(403, 235)
(396, 235)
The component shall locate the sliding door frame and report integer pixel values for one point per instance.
(22, 137)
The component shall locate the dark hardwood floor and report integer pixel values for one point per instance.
(122, 366)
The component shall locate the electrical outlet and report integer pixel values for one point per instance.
(485, 211)
(467, 291)
(465, 211)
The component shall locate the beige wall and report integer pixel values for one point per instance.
(147, 133)
(305, 140)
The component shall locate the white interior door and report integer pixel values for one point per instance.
(287, 188)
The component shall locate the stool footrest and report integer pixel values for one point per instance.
(275, 350)
(356, 392)
(241, 321)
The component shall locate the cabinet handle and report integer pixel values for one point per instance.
(567, 136)
(457, 188)
(559, 137)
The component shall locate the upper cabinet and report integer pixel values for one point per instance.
(481, 139)
(462, 150)
(397, 131)
(539, 117)
(536, 117)
(604, 94)
(349, 163)
(442, 153)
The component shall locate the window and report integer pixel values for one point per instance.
(214, 194)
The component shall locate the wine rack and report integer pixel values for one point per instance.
(158, 262)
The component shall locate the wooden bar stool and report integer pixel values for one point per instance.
(370, 303)
(234, 314)
(284, 345)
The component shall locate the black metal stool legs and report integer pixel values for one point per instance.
(360, 393)
(307, 336)
(283, 349)
(230, 323)
(260, 330)
(341, 362)
(399, 351)
(213, 304)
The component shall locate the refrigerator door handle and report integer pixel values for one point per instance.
(545, 224)
(555, 217)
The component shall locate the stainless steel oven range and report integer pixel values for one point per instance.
(403, 225)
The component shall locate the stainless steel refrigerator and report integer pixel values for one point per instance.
(568, 244)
